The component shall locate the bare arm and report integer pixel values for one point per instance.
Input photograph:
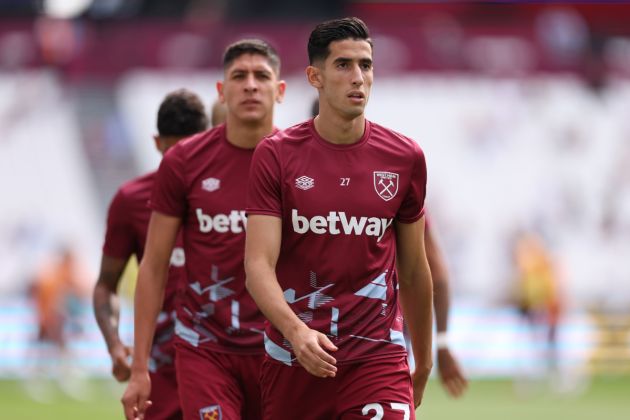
(416, 299)
(107, 313)
(261, 254)
(450, 372)
(152, 278)
(439, 275)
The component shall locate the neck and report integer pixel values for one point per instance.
(247, 135)
(338, 130)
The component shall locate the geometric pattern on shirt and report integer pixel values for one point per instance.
(315, 299)
(376, 289)
(216, 291)
(395, 337)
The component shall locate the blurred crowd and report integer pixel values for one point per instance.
(520, 108)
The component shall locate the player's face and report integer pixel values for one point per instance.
(346, 77)
(250, 88)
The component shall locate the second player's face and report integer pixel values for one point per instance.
(250, 88)
(347, 76)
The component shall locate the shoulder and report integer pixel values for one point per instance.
(290, 136)
(191, 145)
(133, 191)
(278, 143)
(395, 139)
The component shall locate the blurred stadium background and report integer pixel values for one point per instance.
(522, 110)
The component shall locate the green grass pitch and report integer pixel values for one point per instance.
(604, 399)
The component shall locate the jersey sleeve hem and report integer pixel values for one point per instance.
(264, 212)
(409, 220)
(160, 209)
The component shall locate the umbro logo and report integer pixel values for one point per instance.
(211, 184)
(304, 183)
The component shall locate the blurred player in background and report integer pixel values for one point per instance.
(57, 291)
(218, 113)
(324, 199)
(201, 186)
(537, 293)
(180, 115)
(449, 370)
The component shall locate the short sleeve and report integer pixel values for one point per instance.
(119, 236)
(170, 189)
(264, 195)
(412, 207)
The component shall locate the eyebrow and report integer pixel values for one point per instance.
(340, 60)
(255, 71)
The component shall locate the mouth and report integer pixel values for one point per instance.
(250, 102)
(356, 96)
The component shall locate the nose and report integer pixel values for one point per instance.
(357, 75)
(250, 83)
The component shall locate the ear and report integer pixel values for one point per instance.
(220, 92)
(313, 75)
(282, 86)
(158, 142)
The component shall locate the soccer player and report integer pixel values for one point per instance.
(57, 290)
(201, 186)
(334, 204)
(181, 114)
(449, 371)
(538, 293)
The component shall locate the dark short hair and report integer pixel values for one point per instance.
(335, 30)
(181, 114)
(251, 46)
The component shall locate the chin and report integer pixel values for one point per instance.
(355, 112)
(251, 117)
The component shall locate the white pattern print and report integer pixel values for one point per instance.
(216, 291)
(315, 299)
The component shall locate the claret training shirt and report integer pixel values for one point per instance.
(126, 233)
(203, 181)
(338, 203)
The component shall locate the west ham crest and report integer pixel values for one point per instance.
(212, 412)
(386, 184)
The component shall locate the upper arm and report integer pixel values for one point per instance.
(412, 206)
(120, 241)
(264, 208)
(264, 193)
(264, 236)
(119, 244)
(410, 249)
(434, 256)
(169, 195)
(160, 239)
(111, 270)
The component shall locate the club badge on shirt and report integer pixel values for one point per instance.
(386, 184)
(212, 412)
